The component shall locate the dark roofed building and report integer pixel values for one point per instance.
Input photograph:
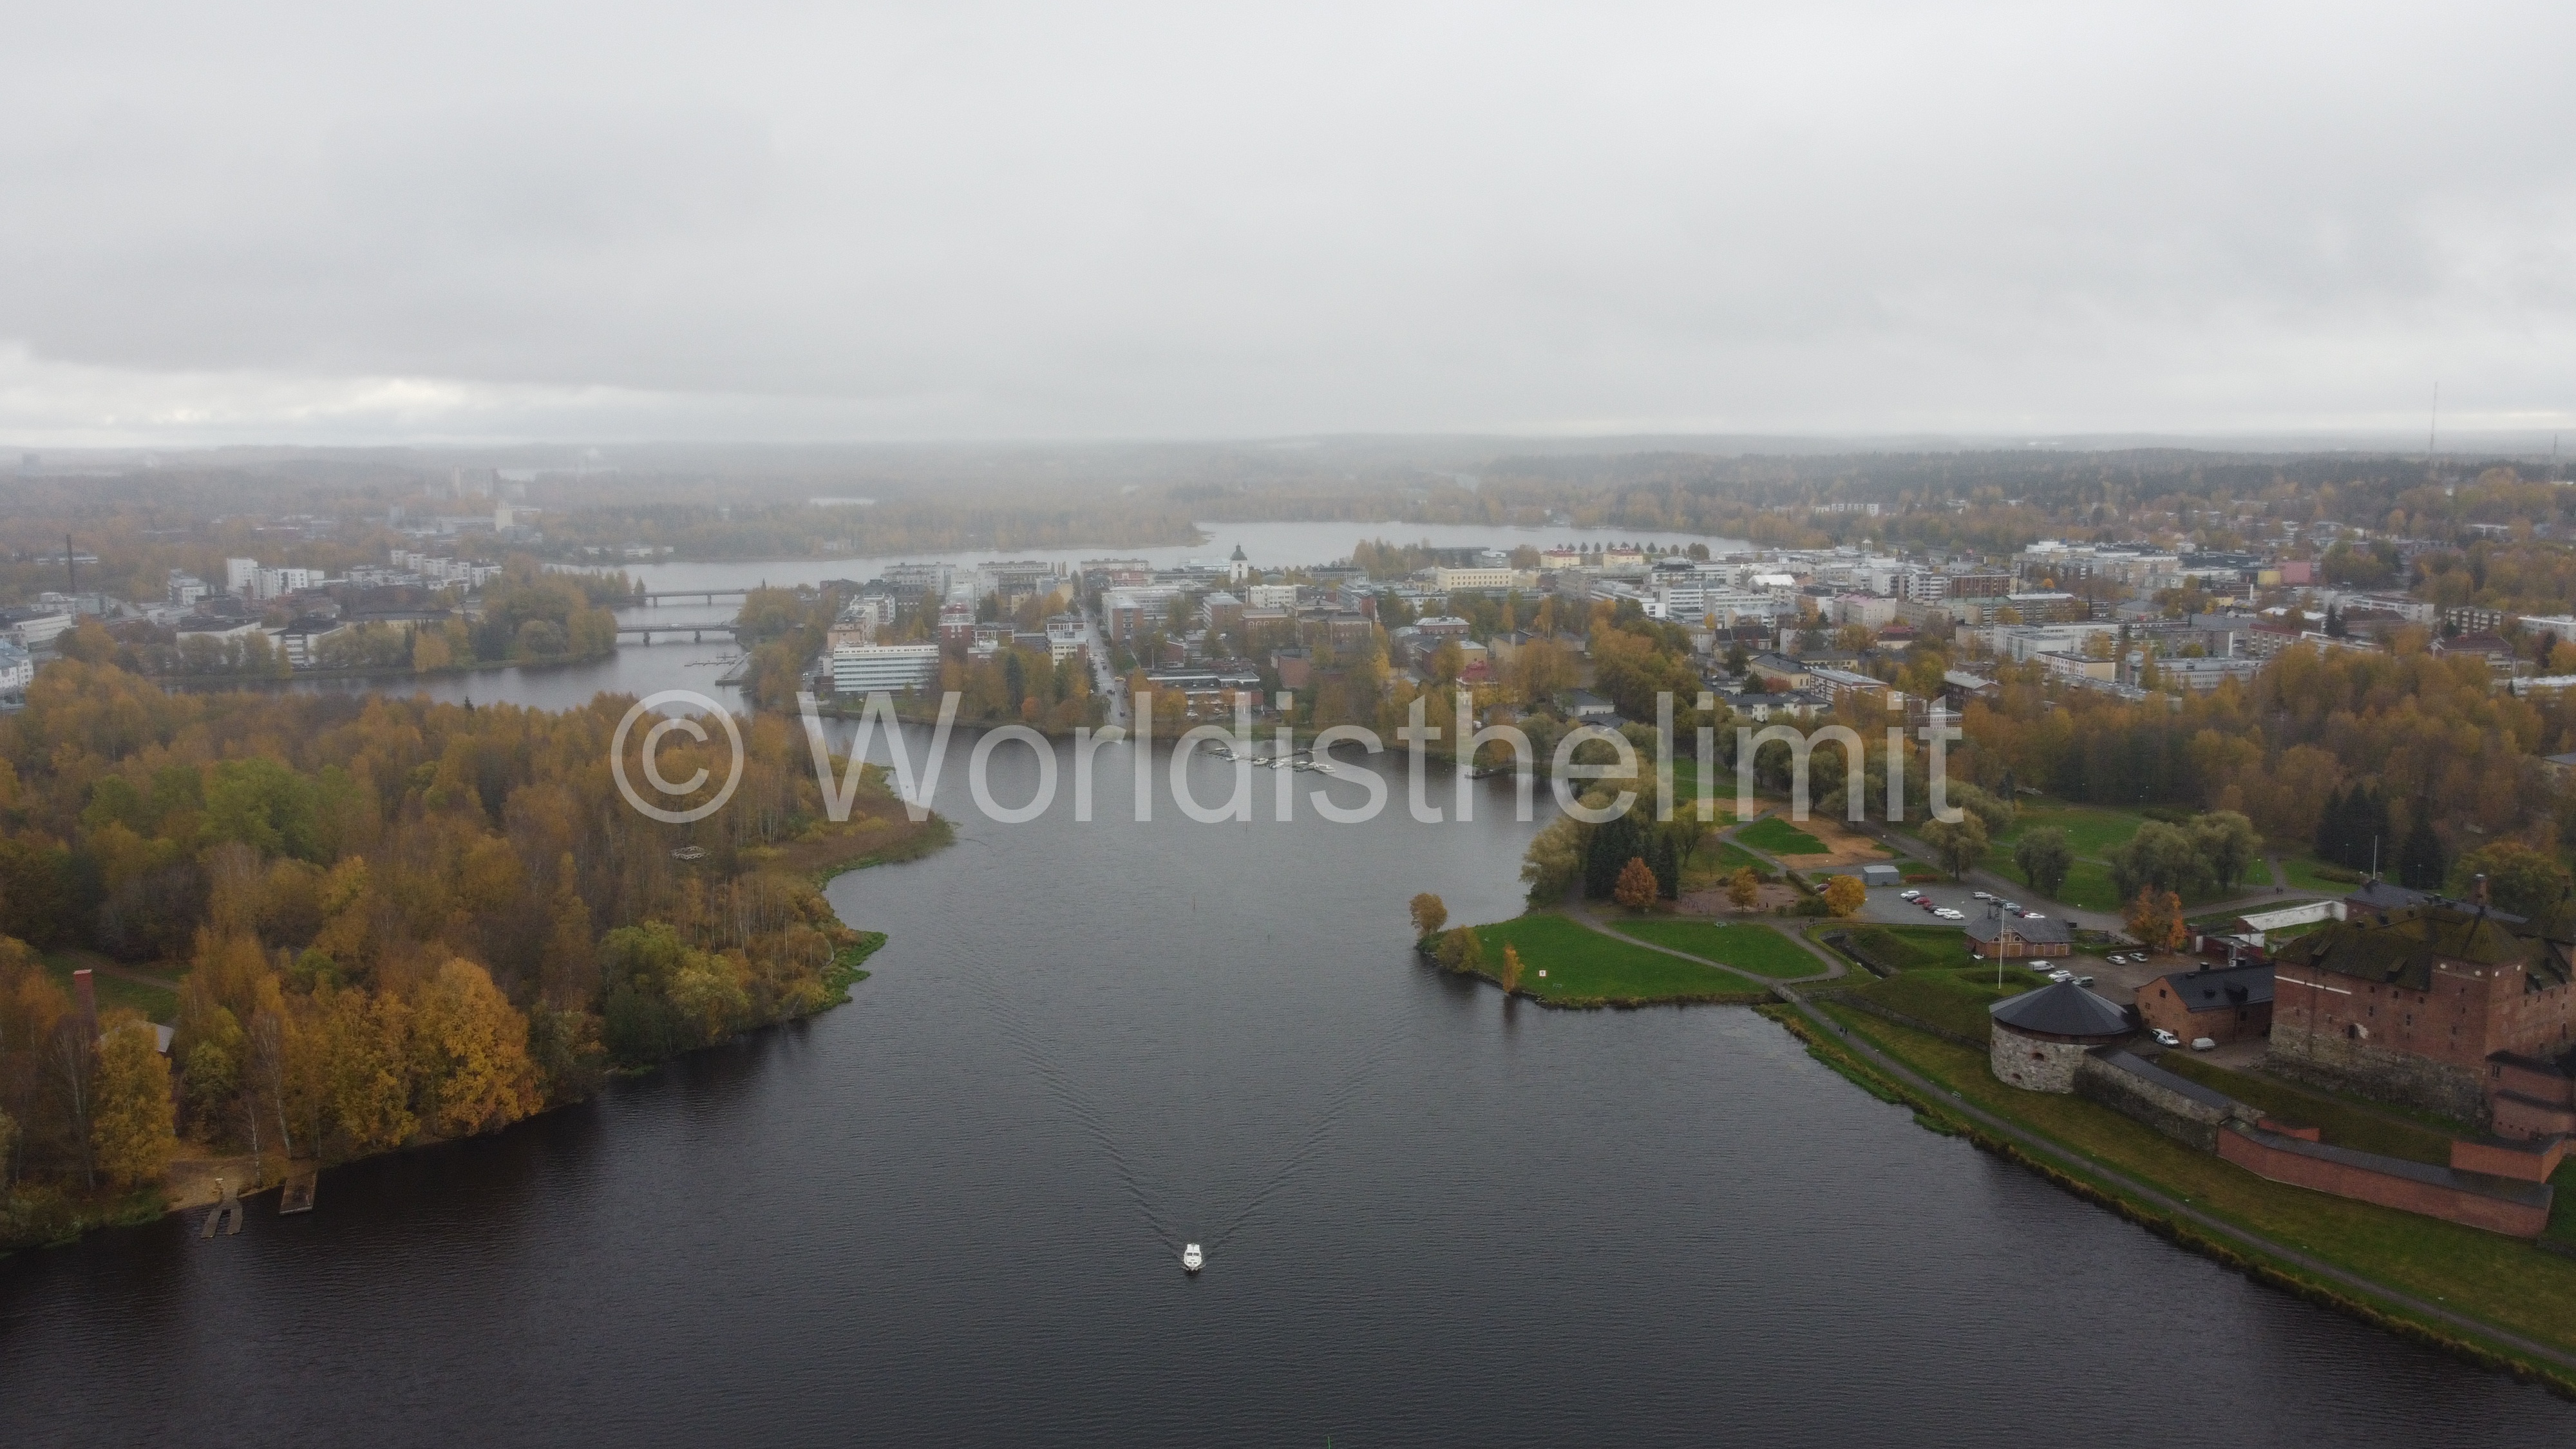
(2016, 938)
(2416, 1006)
(2230, 1003)
(2040, 1037)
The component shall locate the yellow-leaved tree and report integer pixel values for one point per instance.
(133, 1126)
(1635, 887)
(1845, 895)
(470, 1053)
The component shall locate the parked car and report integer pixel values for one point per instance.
(1925, 902)
(1907, 894)
(1948, 913)
(1983, 895)
(2013, 906)
(2165, 1038)
(2204, 1044)
(2033, 916)
(2061, 976)
(2084, 981)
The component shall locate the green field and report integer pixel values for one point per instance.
(2340, 1123)
(1911, 948)
(2495, 1278)
(2305, 872)
(1954, 1000)
(1776, 836)
(156, 1003)
(1586, 968)
(1758, 949)
(2093, 832)
(1714, 862)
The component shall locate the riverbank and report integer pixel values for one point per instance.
(2495, 1301)
(55, 1216)
(391, 671)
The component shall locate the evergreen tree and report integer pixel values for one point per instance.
(1615, 842)
(2331, 830)
(2372, 845)
(2419, 862)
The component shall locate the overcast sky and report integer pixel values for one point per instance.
(350, 223)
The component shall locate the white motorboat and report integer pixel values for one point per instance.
(1192, 1259)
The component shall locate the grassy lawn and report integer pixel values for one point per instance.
(157, 1003)
(2304, 872)
(1779, 837)
(2341, 1123)
(2499, 1279)
(2562, 1207)
(1586, 968)
(2093, 832)
(1725, 858)
(1914, 948)
(1952, 1000)
(1758, 949)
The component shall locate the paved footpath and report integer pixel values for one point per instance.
(2041, 1147)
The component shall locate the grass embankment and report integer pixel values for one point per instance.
(1756, 949)
(1587, 968)
(1908, 948)
(1953, 1000)
(2341, 1123)
(1775, 836)
(2501, 1280)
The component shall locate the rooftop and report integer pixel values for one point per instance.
(2221, 988)
(2064, 1009)
(2399, 948)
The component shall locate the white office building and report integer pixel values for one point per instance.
(238, 574)
(866, 668)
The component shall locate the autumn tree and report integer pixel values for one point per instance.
(1744, 888)
(1511, 970)
(1461, 951)
(1636, 888)
(2519, 879)
(1430, 913)
(2155, 920)
(470, 1053)
(1845, 895)
(133, 1127)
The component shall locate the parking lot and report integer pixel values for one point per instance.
(2118, 980)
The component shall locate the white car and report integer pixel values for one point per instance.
(1908, 894)
(2165, 1038)
(2033, 916)
(2204, 1044)
(2061, 977)
(2013, 906)
(1983, 895)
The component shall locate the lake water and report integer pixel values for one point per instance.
(949, 1213)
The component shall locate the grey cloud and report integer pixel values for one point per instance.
(1136, 220)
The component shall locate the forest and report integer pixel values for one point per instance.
(399, 921)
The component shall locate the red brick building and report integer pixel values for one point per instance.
(2427, 1006)
(2232, 1003)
